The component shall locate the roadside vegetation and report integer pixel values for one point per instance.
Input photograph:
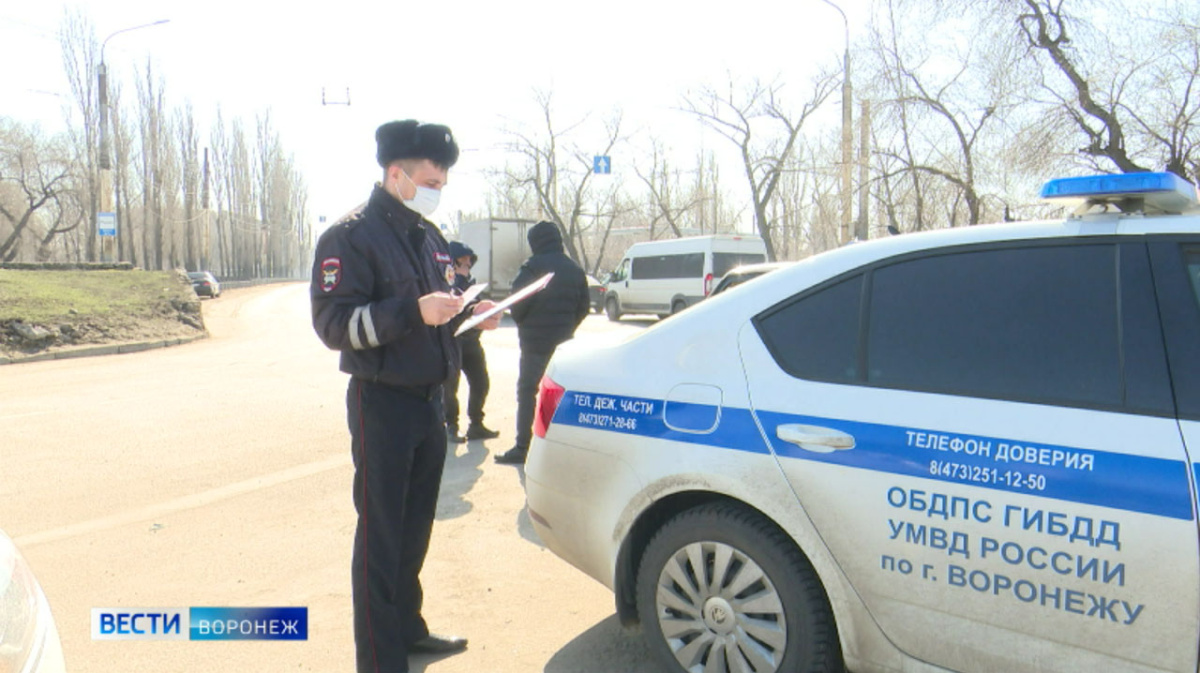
(46, 310)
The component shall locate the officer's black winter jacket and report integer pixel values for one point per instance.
(369, 272)
(550, 316)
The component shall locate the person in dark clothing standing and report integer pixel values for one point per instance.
(544, 321)
(474, 363)
(381, 295)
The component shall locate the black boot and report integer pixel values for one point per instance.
(452, 435)
(514, 456)
(480, 431)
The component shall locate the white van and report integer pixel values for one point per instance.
(665, 277)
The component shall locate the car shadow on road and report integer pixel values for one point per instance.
(604, 648)
(463, 468)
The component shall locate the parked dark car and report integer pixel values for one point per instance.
(205, 284)
(596, 294)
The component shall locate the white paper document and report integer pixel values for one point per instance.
(470, 293)
(524, 292)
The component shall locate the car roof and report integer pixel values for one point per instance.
(772, 288)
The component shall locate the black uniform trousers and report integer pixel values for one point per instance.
(474, 366)
(399, 448)
(532, 368)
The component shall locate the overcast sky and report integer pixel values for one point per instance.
(473, 65)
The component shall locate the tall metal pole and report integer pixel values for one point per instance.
(847, 130)
(105, 211)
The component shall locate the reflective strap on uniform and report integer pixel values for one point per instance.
(355, 318)
(369, 327)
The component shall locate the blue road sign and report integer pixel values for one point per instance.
(601, 165)
(106, 224)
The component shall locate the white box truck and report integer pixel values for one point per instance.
(665, 277)
(502, 249)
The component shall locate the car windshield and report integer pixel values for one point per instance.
(196, 276)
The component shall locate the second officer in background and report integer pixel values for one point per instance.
(474, 362)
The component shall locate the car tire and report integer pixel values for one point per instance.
(677, 306)
(791, 627)
(612, 309)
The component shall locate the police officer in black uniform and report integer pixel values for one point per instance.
(474, 362)
(381, 295)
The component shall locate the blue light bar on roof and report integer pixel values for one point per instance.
(1165, 191)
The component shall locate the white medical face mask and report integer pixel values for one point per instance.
(426, 199)
(425, 202)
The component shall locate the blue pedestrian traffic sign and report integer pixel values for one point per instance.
(601, 165)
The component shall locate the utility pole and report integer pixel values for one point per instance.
(104, 215)
(106, 219)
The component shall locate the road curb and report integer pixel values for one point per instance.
(105, 349)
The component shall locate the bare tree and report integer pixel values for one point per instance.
(556, 172)
(123, 175)
(668, 200)
(80, 55)
(1131, 95)
(189, 157)
(35, 173)
(69, 213)
(739, 116)
(154, 136)
(944, 104)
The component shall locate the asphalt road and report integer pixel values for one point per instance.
(218, 474)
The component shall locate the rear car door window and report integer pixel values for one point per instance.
(1036, 324)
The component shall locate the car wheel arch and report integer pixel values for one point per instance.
(644, 527)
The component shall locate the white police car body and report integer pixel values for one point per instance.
(965, 449)
(29, 641)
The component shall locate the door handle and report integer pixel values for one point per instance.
(815, 438)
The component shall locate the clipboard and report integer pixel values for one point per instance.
(527, 291)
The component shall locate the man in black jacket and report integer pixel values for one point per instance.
(381, 295)
(544, 321)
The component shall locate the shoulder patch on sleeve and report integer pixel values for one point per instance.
(331, 273)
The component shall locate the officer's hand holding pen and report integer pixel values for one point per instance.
(492, 322)
(439, 308)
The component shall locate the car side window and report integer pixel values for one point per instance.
(1193, 266)
(1036, 324)
(816, 337)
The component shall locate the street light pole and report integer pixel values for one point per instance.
(847, 122)
(105, 214)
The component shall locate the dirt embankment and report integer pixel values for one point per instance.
(48, 310)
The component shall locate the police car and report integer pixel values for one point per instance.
(965, 449)
(29, 641)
